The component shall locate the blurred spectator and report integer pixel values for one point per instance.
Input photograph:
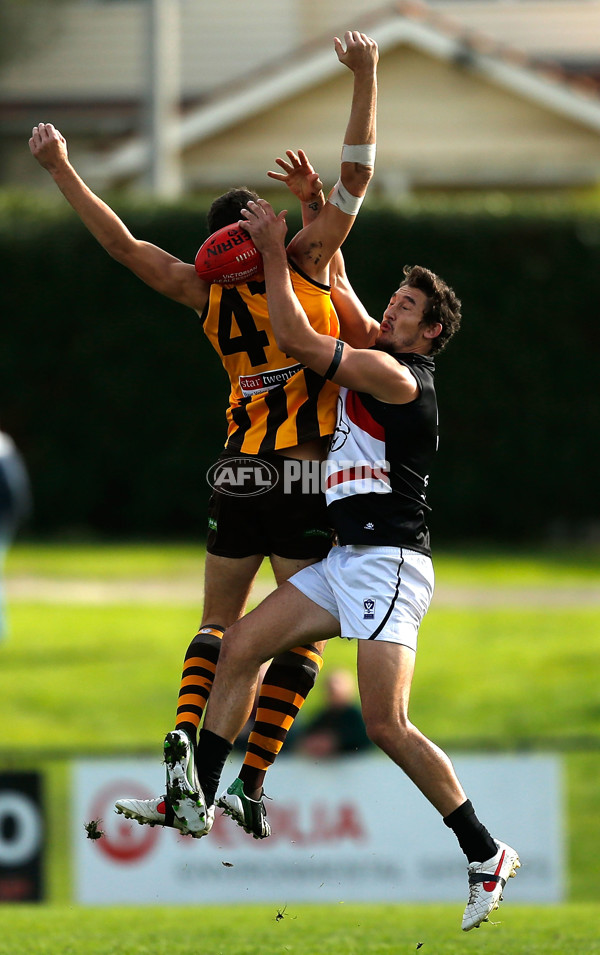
(15, 504)
(338, 728)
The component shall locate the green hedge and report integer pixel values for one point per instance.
(118, 402)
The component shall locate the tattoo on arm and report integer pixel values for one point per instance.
(314, 253)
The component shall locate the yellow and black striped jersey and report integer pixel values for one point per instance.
(275, 402)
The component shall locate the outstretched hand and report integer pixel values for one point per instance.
(268, 231)
(48, 146)
(299, 176)
(361, 51)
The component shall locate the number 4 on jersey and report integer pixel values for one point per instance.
(251, 340)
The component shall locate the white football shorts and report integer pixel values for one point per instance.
(376, 593)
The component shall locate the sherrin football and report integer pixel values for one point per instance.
(228, 257)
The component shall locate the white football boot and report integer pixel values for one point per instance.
(184, 793)
(486, 882)
(158, 812)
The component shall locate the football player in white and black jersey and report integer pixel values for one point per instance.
(375, 586)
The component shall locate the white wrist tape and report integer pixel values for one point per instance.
(344, 200)
(365, 154)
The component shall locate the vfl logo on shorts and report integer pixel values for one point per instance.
(368, 609)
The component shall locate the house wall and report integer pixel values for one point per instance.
(443, 123)
(437, 124)
(98, 49)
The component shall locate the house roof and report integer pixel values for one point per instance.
(409, 22)
(564, 30)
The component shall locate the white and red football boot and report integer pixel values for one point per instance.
(486, 882)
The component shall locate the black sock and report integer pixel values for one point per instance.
(212, 753)
(473, 838)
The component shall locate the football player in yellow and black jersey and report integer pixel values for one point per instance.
(278, 411)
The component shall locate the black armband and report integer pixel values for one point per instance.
(335, 361)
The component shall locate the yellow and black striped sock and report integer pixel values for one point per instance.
(288, 681)
(197, 678)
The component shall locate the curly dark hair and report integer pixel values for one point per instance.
(443, 305)
(226, 209)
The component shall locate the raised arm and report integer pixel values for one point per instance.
(157, 268)
(302, 181)
(368, 370)
(357, 326)
(314, 246)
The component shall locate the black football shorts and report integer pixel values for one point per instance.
(256, 509)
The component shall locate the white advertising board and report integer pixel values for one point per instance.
(352, 829)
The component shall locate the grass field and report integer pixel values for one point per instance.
(304, 930)
(114, 657)
(100, 676)
(471, 563)
(97, 669)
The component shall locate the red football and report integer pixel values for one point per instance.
(228, 257)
